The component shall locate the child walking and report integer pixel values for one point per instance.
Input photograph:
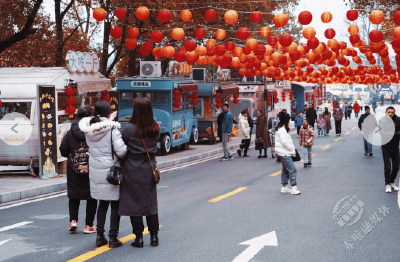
(298, 122)
(307, 141)
(320, 125)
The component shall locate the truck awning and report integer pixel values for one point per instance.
(188, 87)
(272, 90)
(229, 89)
(93, 85)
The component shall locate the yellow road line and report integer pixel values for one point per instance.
(313, 155)
(105, 248)
(354, 128)
(240, 189)
(326, 147)
(277, 173)
(347, 133)
(337, 139)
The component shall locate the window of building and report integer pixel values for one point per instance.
(198, 111)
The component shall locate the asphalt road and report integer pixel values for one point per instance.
(194, 229)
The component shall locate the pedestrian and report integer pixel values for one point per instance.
(244, 134)
(320, 125)
(298, 122)
(278, 159)
(327, 119)
(334, 104)
(311, 115)
(356, 108)
(74, 147)
(250, 121)
(138, 193)
(226, 129)
(367, 130)
(262, 133)
(390, 150)
(220, 118)
(361, 105)
(271, 129)
(285, 149)
(100, 132)
(338, 116)
(349, 110)
(382, 100)
(344, 108)
(306, 140)
(374, 104)
(305, 112)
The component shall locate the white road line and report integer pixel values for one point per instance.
(15, 225)
(32, 201)
(5, 241)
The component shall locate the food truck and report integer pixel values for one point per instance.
(178, 127)
(33, 120)
(206, 111)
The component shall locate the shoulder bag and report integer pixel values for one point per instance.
(297, 157)
(114, 176)
(156, 172)
(259, 140)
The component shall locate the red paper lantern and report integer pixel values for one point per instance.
(194, 103)
(396, 18)
(177, 92)
(218, 106)
(272, 41)
(190, 45)
(145, 49)
(261, 49)
(231, 17)
(133, 32)
(106, 98)
(131, 43)
(218, 101)
(210, 14)
(99, 14)
(142, 12)
(285, 40)
(235, 102)
(120, 13)
(177, 105)
(276, 99)
(220, 50)
(354, 39)
(313, 97)
(69, 91)
(376, 36)
(220, 34)
(1, 103)
(330, 33)
(200, 33)
(177, 98)
(352, 15)
(164, 16)
(307, 97)
(305, 18)
(70, 110)
(280, 20)
(313, 43)
(70, 101)
(177, 34)
(156, 37)
(116, 32)
(180, 56)
(186, 15)
(243, 33)
(217, 95)
(256, 16)
(230, 46)
(105, 93)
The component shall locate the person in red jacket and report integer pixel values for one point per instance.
(356, 108)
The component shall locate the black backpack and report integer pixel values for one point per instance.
(80, 160)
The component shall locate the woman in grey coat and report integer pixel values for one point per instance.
(138, 189)
(98, 130)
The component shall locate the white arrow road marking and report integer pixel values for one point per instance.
(255, 245)
(5, 241)
(2, 229)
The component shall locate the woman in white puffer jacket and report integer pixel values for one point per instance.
(244, 134)
(285, 148)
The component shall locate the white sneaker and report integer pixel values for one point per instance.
(286, 190)
(388, 189)
(295, 191)
(394, 187)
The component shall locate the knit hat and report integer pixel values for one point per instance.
(284, 117)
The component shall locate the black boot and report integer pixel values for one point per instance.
(138, 241)
(154, 238)
(114, 242)
(101, 239)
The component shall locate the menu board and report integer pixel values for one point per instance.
(47, 131)
(114, 102)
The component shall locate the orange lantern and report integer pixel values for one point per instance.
(178, 34)
(326, 17)
(309, 32)
(133, 32)
(353, 29)
(158, 52)
(220, 34)
(376, 17)
(99, 14)
(238, 51)
(280, 20)
(201, 50)
(276, 57)
(231, 17)
(142, 12)
(186, 15)
(211, 43)
(131, 43)
(169, 51)
(396, 33)
(252, 44)
(265, 31)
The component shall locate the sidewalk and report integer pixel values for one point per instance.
(16, 187)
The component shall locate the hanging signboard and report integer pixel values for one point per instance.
(47, 131)
(82, 62)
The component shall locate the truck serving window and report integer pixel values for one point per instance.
(15, 107)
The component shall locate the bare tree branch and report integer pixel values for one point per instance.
(66, 9)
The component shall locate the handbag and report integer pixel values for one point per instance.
(259, 140)
(156, 172)
(297, 157)
(114, 175)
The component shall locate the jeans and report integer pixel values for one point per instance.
(367, 145)
(225, 138)
(373, 108)
(391, 169)
(288, 171)
(326, 129)
(298, 130)
(91, 206)
(320, 131)
(245, 145)
(138, 227)
(356, 115)
(307, 154)
(338, 126)
(114, 218)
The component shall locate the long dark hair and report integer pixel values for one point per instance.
(143, 118)
(326, 112)
(101, 109)
(280, 124)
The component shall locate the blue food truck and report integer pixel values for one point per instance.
(178, 127)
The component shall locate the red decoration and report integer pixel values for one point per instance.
(131, 43)
(396, 18)
(307, 97)
(313, 43)
(352, 15)
(272, 41)
(156, 37)
(330, 33)
(190, 45)
(283, 94)
(243, 33)
(256, 16)
(269, 101)
(313, 97)
(285, 40)
(120, 13)
(210, 14)
(354, 39)
(180, 56)
(99, 14)
(177, 98)
(200, 33)
(145, 49)
(1, 103)
(164, 16)
(290, 95)
(133, 32)
(230, 46)
(105, 93)
(70, 110)
(276, 99)
(70, 91)
(142, 12)
(218, 100)
(305, 18)
(220, 50)
(194, 99)
(106, 98)
(376, 36)
(177, 105)
(235, 102)
(217, 95)
(70, 101)
(116, 32)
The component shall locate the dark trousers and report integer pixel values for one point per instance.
(138, 226)
(298, 130)
(349, 114)
(345, 115)
(338, 126)
(265, 151)
(114, 218)
(245, 145)
(391, 162)
(91, 206)
(311, 123)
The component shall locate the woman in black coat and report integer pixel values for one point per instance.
(78, 183)
(138, 191)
